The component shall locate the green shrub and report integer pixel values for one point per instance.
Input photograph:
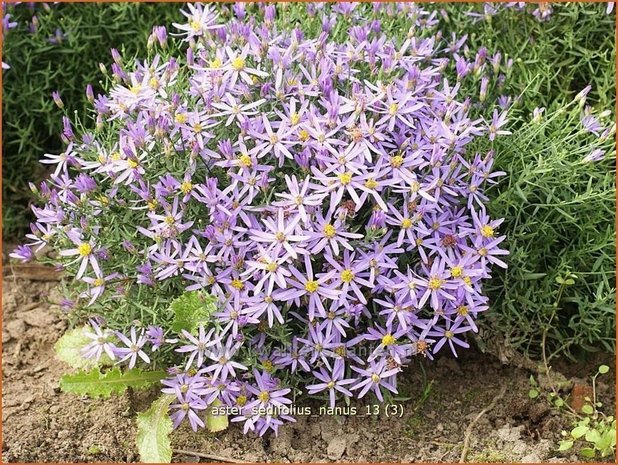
(31, 122)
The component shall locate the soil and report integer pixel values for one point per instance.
(41, 424)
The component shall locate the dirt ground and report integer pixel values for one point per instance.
(41, 424)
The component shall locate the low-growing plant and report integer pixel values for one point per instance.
(592, 429)
(258, 216)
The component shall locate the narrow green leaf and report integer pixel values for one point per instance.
(153, 429)
(96, 384)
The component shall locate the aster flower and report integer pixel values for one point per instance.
(133, 348)
(198, 345)
(375, 377)
(333, 382)
(101, 343)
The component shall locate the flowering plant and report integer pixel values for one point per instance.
(268, 214)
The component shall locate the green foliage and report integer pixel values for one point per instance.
(31, 122)
(558, 291)
(191, 310)
(153, 429)
(216, 420)
(594, 432)
(93, 383)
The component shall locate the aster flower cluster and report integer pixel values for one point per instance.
(324, 195)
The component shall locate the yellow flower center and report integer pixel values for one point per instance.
(216, 63)
(241, 400)
(448, 334)
(330, 384)
(371, 183)
(303, 135)
(375, 378)
(238, 63)
(170, 220)
(132, 163)
(152, 204)
(414, 186)
(347, 275)
(388, 340)
(467, 280)
(99, 282)
(329, 231)
(264, 396)
(396, 161)
(406, 223)
(186, 187)
(238, 284)
(392, 109)
(84, 250)
(482, 251)
(435, 283)
(311, 286)
(245, 161)
(280, 237)
(462, 310)
(195, 25)
(345, 178)
(487, 231)
(181, 118)
(294, 118)
(456, 272)
(272, 267)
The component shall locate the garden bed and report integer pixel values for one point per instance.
(42, 424)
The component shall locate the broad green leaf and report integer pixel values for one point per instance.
(587, 409)
(214, 421)
(153, 429)
(533, 393)
(579, 431)
(565, 445)
(603, 369)
(587, 452)
(68, 349)
(93, 383)
(191, 310)
(592, 435)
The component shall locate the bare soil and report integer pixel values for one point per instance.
(41, 424)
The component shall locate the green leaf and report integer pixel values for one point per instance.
(68, 349)
(592, 435)
(96, 384)
(153, 429)
(603, 369)
(216, 419)
(587, 409)
(192, 309)
(533, 393)
(579, 431)
(587, 452)
(565, 445)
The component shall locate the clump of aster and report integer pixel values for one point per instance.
(336, 219)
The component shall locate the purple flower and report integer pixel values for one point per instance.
(133, 348)
(332, 382)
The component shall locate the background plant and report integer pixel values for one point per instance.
(57, 47)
